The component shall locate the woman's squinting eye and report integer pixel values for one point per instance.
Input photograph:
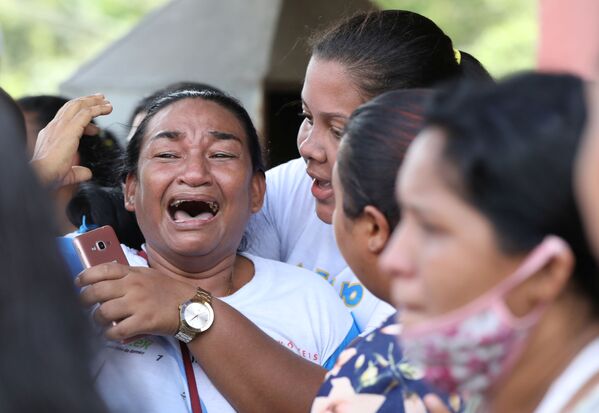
(430, 227)
(166, 155)
(223, 155)
(337, 133)
(306, 116)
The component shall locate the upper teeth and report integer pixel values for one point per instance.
(212, 205)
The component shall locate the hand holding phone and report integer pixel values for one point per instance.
(99, 246)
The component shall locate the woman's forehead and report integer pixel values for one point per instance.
(195, 114)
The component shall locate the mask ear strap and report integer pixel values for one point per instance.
(539, 256)
(537, 259)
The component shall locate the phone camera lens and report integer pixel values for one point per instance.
(101, 245)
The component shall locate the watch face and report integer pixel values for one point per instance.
(198, 316)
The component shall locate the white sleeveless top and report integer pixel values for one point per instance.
(584, 366)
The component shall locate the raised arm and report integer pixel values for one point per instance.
(57, 143)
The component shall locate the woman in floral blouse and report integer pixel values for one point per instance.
(372, 375)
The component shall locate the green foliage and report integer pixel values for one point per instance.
(44, 41)
(501, 34)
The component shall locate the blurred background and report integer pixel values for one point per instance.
(81, 46)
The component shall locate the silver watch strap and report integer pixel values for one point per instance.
(184, 337)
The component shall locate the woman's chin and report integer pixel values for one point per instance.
(189, 245)
(325, 212)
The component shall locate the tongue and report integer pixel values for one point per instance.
(181, 215)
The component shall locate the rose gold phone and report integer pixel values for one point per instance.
(98, 246)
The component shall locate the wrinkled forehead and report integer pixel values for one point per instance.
(191, 117)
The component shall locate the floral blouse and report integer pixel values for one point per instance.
(371, 375)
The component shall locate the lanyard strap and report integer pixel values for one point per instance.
(196, 407)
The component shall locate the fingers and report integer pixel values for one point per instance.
(91, 130)
(85, 114)
(102, 272)
(126, 330)
(57, 143)
(140, 300)
(77, 175)
(111, 312)
(434, 404)
(102, 292)
(133, 339)
(74, 106)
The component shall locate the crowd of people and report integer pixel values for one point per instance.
(432, 250)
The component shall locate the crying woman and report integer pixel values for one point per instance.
(193, 177)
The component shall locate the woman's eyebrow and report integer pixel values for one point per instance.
(174, 135)
(171, 135)
(225, 136)
(328, 115)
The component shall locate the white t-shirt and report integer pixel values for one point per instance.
(301, 313)
(584, 366)
(287, 229)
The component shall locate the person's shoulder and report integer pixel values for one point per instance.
(289, 176)
(381, 336)
(290, 168)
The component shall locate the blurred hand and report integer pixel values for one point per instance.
(57, 143)
(140, 300)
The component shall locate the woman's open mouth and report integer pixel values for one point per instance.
(321, 190)
(186, 210)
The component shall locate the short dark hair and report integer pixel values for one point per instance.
(220, 98)
(45, 107)
(373, 147)
(392, 49)
(510, 151)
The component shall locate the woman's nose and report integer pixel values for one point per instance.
(310, 144)
(195, 172)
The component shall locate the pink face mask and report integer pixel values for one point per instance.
(469, 349)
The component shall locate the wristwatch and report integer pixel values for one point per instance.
(195, 316)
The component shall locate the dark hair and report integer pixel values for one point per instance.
(45, 347)
(45, 107)
(510, 152)
(473, 70)
(12, 117)
(391, 49)
(145, 102)
(222, 99)
(101, 154)
(375, 142)
(105, 206)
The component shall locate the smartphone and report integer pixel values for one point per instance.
(98, 246)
